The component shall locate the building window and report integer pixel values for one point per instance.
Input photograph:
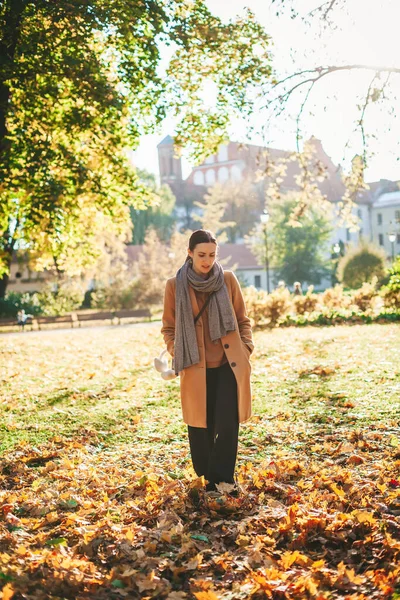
(236, 173)
(397, 216)
(381, 243)
(223, 153)
(210, 176)
(379, 215)
(398, 238)
(257, 281)
(223, 174)
(209, 160)
(348, 235)
(198, 178)
(359, 213)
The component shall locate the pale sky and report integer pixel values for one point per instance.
(367, 34)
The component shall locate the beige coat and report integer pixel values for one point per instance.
(238, 345)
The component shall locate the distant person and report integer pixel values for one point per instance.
(22, 318)
(211, 357)
(281, 285)
(297, 289)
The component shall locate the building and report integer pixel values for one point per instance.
(385, 215)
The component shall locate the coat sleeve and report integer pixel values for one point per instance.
(241, 314)
(168, 317)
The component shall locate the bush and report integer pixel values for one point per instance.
(255, 304)
(307, 303)
(68, 297)
(361, 264)
(365, 297)
(277, 305)
(15, 301)
(335, 298)
(116, 296)
(391, 292)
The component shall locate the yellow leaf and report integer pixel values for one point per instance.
(288, 558)
(363, 516)
(8, 592)
(339, 492)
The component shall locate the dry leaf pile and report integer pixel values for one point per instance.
(113, 509)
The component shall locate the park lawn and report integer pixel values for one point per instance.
(98, 498)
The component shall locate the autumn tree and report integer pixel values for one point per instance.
(79, 83)
(240, 204)
(157, 262)
(212, 210)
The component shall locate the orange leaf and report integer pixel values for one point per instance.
(8, 591)
(206, 596)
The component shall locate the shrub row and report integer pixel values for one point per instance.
(333, 306)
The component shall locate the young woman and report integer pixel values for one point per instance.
(211, 355)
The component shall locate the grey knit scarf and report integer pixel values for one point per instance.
(220, 313)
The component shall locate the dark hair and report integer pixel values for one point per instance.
(200, 236)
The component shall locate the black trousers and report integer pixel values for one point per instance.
(214, 449)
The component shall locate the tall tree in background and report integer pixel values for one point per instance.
(243, 203)
(297, 252)
(158, 215)
(80, 82)
(212, 210)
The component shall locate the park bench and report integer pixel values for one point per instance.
(98, 316)
(55, 320)
(132, 314)
(8, 322)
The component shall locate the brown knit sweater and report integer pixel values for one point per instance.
(215, 354)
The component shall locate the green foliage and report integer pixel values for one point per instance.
(118, 295)
(391, 292)
(158, 215)
(80, 82)
(361, 264)
(296, 248)
(15, 301)
(66, 298)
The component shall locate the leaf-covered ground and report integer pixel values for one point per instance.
(98, 498)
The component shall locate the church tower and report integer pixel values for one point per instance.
(170, 166)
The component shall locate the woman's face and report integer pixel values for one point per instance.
(203, 256)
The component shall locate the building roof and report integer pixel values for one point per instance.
(388, 199)
(238, 255)
(167, 141)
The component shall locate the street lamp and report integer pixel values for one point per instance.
(392, 237)
(264, 220)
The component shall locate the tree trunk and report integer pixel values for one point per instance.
(8, 44)
(3, 285)
(6, 277)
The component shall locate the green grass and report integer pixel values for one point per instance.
(102, 381)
